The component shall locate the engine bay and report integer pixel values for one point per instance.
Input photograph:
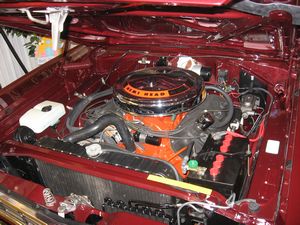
(192, 119)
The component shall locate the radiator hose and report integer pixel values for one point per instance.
(98, 126)
(81, 105)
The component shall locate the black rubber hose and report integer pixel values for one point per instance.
(81, 105)
(98, 126)
(227, 98)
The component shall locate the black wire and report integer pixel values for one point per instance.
(116, 63)
(263, 90)
(261, 117)
(213, 153)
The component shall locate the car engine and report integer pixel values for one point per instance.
(161, 112)
(165, 112)
(172, 122)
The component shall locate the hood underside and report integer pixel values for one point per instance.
(215, 24)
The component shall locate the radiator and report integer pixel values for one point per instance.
(64, 181)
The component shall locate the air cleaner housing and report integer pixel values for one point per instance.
(159, 91)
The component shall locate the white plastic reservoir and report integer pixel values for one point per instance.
(42, 116)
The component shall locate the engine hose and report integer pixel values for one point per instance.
(81, 105)
(227, 98)
(98, 126)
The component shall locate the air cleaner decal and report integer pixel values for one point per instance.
(146, 94)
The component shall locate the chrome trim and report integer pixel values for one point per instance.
(16, 212)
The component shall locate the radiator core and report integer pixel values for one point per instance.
(64, 181)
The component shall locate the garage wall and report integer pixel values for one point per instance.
(10, 70)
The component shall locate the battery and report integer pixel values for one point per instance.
(226, 165)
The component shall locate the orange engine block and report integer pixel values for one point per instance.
(164, 151)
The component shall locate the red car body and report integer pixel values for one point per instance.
(215, 33)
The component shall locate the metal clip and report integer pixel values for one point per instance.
(56, 16)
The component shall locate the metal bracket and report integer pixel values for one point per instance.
(71, 203)
(28, 13)
(56, 16)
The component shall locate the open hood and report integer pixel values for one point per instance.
(243, 26)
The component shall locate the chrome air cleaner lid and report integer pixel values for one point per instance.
(159, 91)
